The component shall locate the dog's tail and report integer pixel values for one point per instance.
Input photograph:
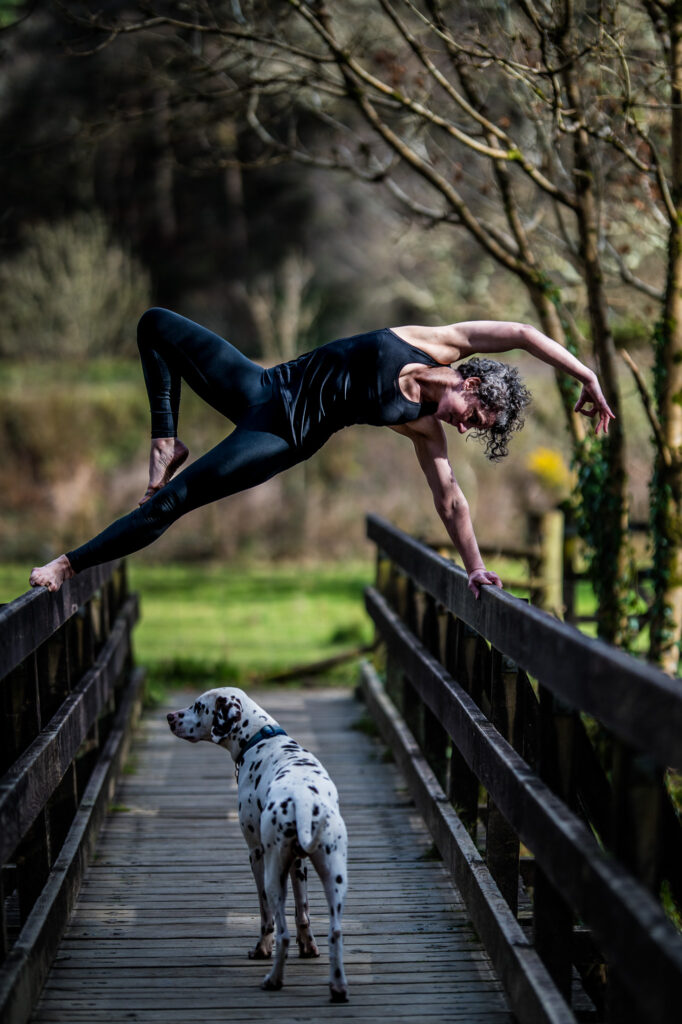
(311, 817)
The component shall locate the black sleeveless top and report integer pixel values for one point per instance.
(352, 380)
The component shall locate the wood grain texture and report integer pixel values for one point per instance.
(637, 701)
(30, 782)
(168, 909)
(32, 618)
(629, 925)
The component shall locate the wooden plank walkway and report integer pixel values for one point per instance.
(168, 909)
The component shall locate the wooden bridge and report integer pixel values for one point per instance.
(521, 859)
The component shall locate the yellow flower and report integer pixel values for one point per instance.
(550, 469)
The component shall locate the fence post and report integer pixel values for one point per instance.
(33, 864)
(395, 594)
(547, 533)
(502, 844)
(463, 784)
(636, 833)
(552, 917)
(570, 540)
(412, 706)
(436, 739)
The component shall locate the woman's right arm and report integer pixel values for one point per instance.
(430, 446)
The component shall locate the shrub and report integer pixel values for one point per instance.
(71, 292)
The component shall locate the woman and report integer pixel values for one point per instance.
(400, 378)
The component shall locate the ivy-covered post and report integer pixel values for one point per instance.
(600, 504)
(608, 518)
(666, 485)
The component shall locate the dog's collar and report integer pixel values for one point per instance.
(266, 733)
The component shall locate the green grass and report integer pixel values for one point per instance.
(13, 581)
(247, 621)
(234, 623)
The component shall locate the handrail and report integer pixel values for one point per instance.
(585, 795)
(32, 618)
(70, 694)
(637, 701)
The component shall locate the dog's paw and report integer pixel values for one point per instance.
(308, 950)
(338, 995)
(269, 985)
(258, 953)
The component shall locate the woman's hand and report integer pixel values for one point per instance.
(591, 395)
(483, 578)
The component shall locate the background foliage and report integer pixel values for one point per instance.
(286, 176)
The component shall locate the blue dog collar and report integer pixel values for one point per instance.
(266, 733)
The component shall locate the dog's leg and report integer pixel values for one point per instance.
(332, 871)
(277, 864)
(299, 885)
(263, 948)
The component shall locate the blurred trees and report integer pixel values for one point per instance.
(71, 291)
(545, 131)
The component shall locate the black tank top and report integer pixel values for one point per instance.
(352, 380)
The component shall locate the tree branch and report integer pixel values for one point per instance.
(647, 402)
(629, 278)
(512, 154)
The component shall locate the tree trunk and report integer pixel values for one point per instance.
(603, 476)
(666, 487)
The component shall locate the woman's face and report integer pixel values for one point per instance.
(460, 406)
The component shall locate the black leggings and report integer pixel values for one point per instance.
(171, 348)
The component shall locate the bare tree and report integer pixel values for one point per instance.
(548, 130)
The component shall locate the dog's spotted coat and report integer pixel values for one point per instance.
(288, 811)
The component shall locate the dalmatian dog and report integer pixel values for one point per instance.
(288, 811)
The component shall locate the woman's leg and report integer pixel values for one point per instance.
(172, 347)
(246, 458)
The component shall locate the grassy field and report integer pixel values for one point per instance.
(230, 623)
(248, 622)
(205, 624)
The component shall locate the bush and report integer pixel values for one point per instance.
(71, 292)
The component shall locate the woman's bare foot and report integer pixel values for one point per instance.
(53, 574)
(165, 458)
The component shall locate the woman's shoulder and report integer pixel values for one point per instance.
(441, 343)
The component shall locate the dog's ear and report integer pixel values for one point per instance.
(226, 713)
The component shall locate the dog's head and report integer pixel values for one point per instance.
(215, 716)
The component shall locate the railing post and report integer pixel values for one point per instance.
(502, 844)
(547, 533)
(386, 583)
(22, 719)
(463, 787)
(5, 890)
(570, 541)
(33, 864)
(552, 917)
(412, 706)
(636, 835)
(54, 673)
(62, 809)
(436, 739)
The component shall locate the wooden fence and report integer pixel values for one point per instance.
(539, 759)
(554, 565)
(69, 694)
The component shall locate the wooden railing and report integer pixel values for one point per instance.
(69, 695)
(539, 759)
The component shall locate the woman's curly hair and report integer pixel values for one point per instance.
(502, 390)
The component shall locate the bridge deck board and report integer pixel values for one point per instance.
(168, 910)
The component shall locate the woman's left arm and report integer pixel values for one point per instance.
(431, 449)
(493, 336)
